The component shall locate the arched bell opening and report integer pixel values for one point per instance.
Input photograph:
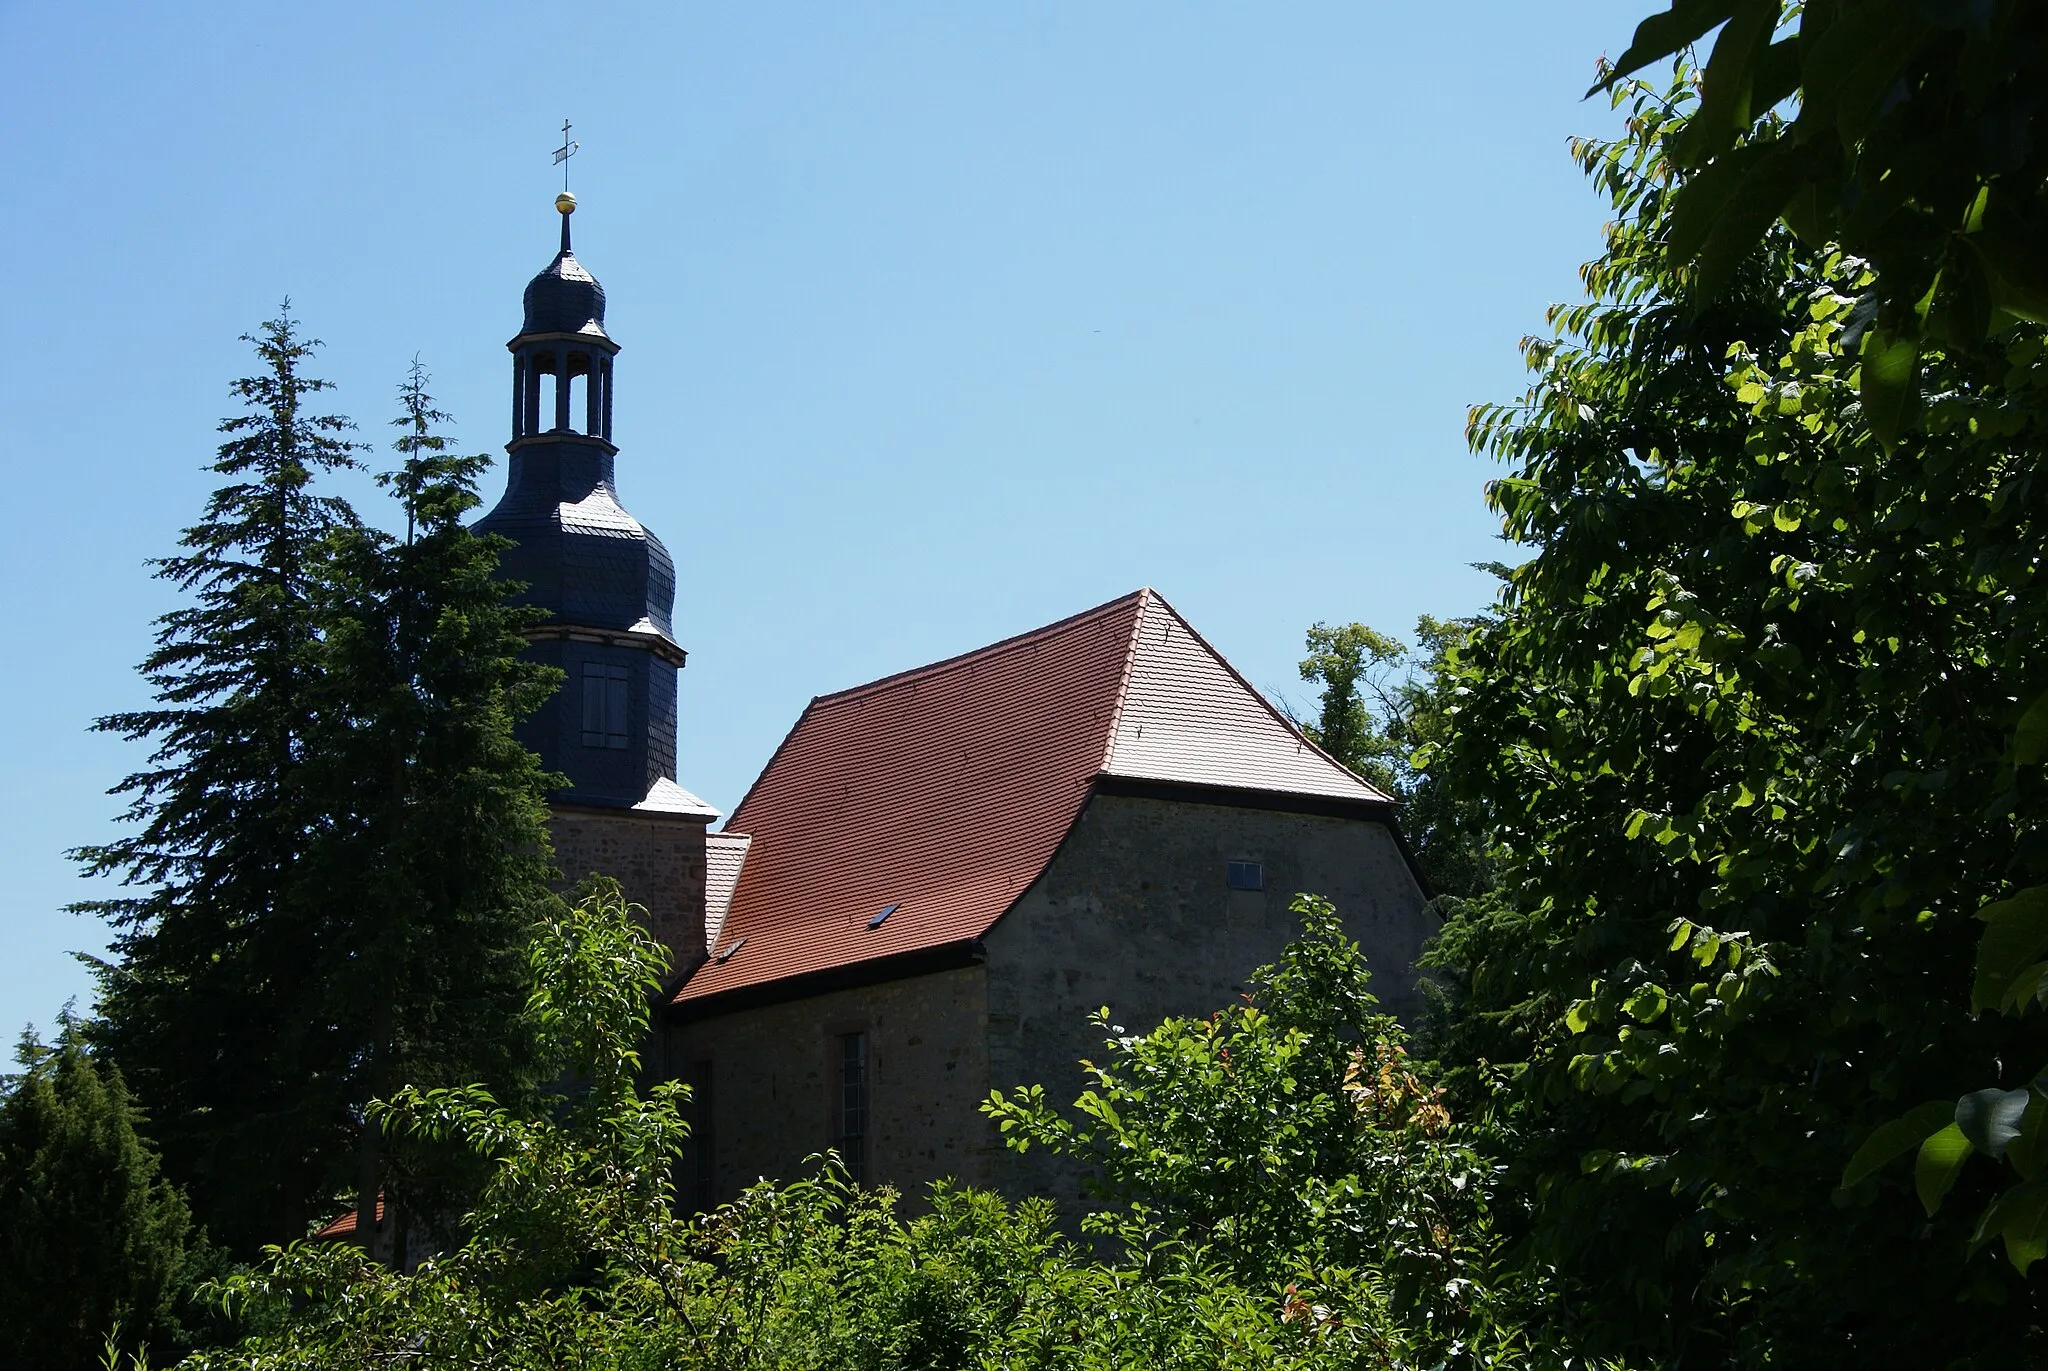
(566, 391)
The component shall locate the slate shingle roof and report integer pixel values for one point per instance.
(564, 298)
(945, 790)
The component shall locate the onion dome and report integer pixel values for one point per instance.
(565, 298)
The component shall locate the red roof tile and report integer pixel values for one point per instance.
(344, 1225)
(944, 791)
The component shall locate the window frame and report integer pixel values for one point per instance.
(1244, 874)
(608, 704)
(852, 1099)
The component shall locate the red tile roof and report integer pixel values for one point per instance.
(944, 791)
(344, 1225)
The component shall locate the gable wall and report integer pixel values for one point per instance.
(1134, 913)
(774, 1072)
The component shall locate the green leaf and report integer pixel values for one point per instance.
(1891, 382)
(2020, 1217)
(2008, 245)
(1940, 1161)
(1648, 1003)
(1775, 76)
(1663, 34)
(1990, 1119)
(2030, 739)
(1897, 1138)
(1855, 60)
(1725, 107)
(1704, 198)
(2015, 937)
(1767, 186)
(2027, 1151)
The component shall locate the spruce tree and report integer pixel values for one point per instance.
(442, 853)
(210, 1003)
(94, 1237)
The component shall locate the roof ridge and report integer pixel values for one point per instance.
(1290, 725)
(987, 649)
(773, 757)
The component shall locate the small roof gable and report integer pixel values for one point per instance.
(724, 855)
(938, 795)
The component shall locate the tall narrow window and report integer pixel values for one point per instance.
(853, 1104)
(701, 1143)
(604, 705)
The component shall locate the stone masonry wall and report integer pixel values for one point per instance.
(657, 859)
(774, 1077)
(1134, 913)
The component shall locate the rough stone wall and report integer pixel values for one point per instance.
(1134, 912)
(657, 859)
(774, 1073)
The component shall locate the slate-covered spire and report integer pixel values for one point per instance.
(607, 582)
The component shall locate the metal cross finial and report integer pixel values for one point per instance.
(564, 153)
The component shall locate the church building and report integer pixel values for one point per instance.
(939, 876)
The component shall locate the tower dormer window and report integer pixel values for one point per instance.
(604, 705)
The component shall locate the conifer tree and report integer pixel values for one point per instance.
(443, 853)
(217, 956)
(94, 1237)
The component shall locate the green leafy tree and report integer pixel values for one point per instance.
(1288, 1142)
(436, 855)
(340, 841)
(1916, 144)
(1744, 728)
(206, 1002)
(1382, 702)
(94, 1240)
(1448, 827)
(573, 1254)
(1353, 662)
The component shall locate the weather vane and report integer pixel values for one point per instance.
(564, 153)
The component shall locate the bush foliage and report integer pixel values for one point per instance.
(1280, 1186)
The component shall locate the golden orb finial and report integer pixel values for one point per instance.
(566, 203)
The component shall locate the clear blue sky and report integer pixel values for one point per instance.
(940, 320)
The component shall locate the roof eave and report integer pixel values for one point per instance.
(921, 961)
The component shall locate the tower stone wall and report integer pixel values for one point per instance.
(658, 861)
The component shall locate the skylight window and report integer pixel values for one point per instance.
(883, 917)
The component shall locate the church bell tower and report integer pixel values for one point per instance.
(608, 587)
(606, 581)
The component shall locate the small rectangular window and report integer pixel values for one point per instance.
(1247, 876)
(604, 705)
(852, 1141)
